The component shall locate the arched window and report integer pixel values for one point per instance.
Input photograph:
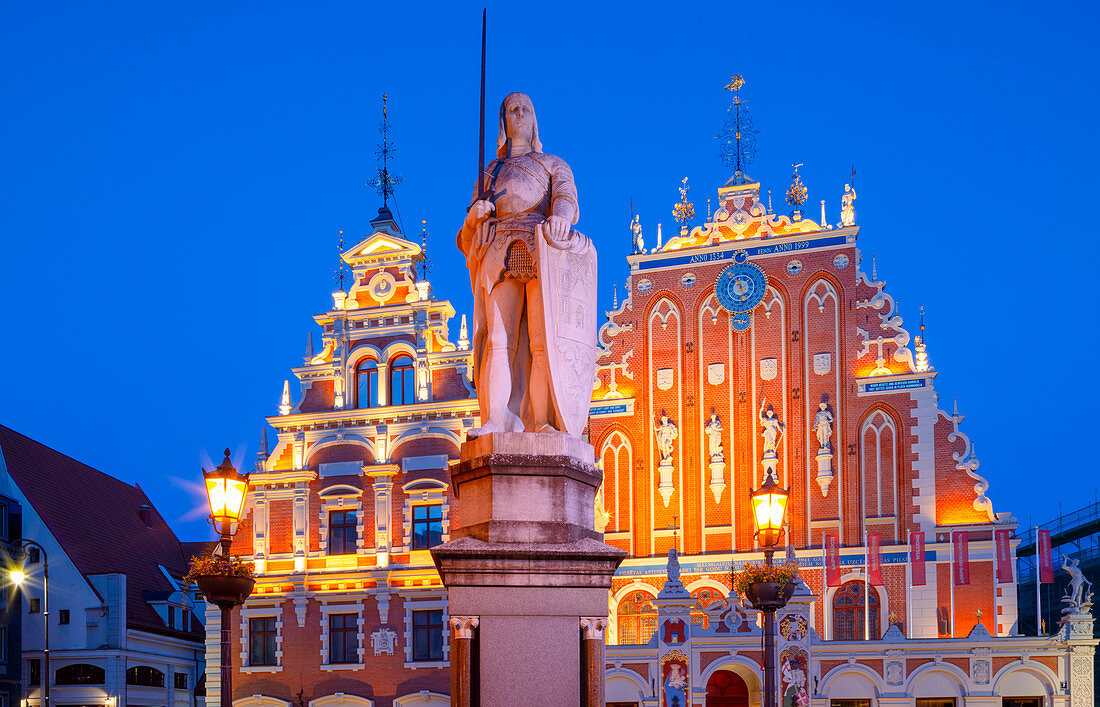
(80, 674)
(366, 381)
(402, 381)
(637, 619)
(848, 613)
(703, 598)
(145, 676)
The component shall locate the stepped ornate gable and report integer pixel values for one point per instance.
(348, 606)
(758, 343)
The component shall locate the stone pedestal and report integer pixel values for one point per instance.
(527, 563)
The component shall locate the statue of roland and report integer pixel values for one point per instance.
(534, 282)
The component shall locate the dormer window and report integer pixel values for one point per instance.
(366, 381)
(402, 381)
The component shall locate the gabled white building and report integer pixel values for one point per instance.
(122, 629)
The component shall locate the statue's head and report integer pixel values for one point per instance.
(517, 120)
(822, 406)
(847, 188)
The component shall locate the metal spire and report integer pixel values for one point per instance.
(385, 182)
(342, 272)
(738, 139)
(425, 263)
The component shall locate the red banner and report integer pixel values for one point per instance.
(832, 560)
(916, 558)
(874, 559)
(1046, 564)
(1003, 548)
(961, 541)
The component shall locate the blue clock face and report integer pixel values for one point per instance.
(741, 321)
(740, 287)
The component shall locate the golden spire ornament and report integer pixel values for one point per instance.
(796, 192)
(684, 211)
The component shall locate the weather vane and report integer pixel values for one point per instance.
(684, 211)
(738, 139)
(385, 182)
(796, 192)
(343, 272)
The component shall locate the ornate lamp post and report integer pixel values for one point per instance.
(18, 550)
(226, 490)
(769, 507)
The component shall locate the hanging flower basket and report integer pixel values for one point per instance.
(766, 587)
(224, 581)
(225, 591)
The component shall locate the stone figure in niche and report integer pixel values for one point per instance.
(714, 438)
(533, 281)
(848, 206)
(773, 428)
(666, 434)
(636, 236)
(1080, 589)
(823, 426)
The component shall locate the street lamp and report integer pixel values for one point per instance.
(18, 551)
(226, 490)
(769, 508)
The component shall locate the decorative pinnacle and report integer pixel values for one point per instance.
(738, 139)
(343, 272)
(425, 263)
(385, 182)
(684, 211)
(796, 193)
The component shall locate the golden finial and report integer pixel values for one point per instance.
(796, 193)
(684, 211)
(736, 82)
(384, 99)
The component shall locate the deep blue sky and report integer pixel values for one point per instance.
(173, 178)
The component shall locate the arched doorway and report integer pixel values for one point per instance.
(726, 689)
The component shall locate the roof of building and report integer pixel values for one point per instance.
(104, 525)
(197, 548)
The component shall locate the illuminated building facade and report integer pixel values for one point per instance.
(348, 608)
(758, 344)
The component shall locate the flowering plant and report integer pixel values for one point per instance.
(219, 566)
(753, 574)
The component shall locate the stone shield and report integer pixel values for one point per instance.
(567, 282)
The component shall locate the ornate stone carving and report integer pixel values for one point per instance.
(979, 671)
(593, 627)
(895, 672)
(464, 625)
(383, 641)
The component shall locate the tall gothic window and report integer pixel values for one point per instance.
(637, 619)
(849, 610)
(366, 379)
(402, 381)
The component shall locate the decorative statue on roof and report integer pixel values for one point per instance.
(534, 281)
(848, 206)
(636, 233)
(1079, 594)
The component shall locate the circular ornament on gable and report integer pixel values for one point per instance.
(688, 280)
(381, 287)
(644, 286)
(794, 267)
(741, 287)
(840, 261)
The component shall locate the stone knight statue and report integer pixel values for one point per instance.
(534, 286)
(713, 430)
